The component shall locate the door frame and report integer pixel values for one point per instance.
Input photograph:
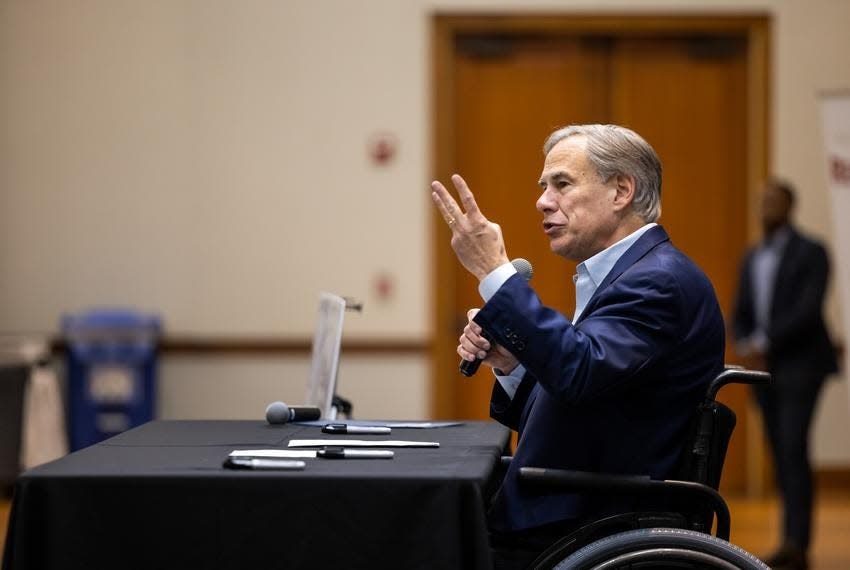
(756, 28)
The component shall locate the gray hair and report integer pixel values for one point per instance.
(614, 150)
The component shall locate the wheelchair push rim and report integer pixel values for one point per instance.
(660, 548)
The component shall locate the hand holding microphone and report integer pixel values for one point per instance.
(470, 367)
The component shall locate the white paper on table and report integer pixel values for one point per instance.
(385, 423)
(421, 425)
(272, 453)
(360, 443)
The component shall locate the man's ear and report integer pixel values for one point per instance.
(624, 187)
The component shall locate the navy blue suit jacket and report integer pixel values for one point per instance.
(798, 336)
(614, 393)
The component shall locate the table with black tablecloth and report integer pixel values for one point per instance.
(157, 497)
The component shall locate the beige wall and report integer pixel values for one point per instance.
(208, 160)
(223, 387)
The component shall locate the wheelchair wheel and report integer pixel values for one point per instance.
(660, 548)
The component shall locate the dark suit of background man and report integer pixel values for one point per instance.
(779, 325)
(613, 388)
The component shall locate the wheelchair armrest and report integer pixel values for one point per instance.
(584, 480)
(738, 375)
(637, 484)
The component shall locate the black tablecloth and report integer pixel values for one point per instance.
(158, 497)
(13, 378)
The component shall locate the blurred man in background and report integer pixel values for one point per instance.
(778, 326)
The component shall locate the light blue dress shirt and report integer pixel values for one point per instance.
(589, 274)
(763, 274)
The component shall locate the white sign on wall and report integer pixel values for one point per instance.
(835, 111)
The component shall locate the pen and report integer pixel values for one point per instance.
(257, 463)
(343, 428)
(342, 453)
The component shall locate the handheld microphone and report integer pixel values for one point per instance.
(470, 367)
(280, 413)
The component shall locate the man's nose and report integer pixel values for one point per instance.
(545, 203)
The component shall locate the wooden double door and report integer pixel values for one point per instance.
(503, 92)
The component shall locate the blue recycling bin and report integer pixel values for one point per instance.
(111, 370)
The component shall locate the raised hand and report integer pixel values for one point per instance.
(477, 241)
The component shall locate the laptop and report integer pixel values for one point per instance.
(327, 340)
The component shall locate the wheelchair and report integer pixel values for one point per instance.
(678, 534)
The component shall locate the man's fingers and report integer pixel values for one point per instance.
(447, 217)
(445, 203)
(473, 341)
(466, 355)
(470, 350)
(465, 194)
(473, 326)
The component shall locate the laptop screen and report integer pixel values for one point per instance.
(327, 339)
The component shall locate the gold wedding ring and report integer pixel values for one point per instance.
(450, 221)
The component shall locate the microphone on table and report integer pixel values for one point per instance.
(280, 413)
(470, 367)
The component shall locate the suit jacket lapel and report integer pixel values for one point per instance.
(786, 262)
(644, 244)
(789, 256)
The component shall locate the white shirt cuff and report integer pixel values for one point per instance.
(759, 341)
(495, 279)
(511, 382)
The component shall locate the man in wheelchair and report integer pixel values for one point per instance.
(613, 390)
